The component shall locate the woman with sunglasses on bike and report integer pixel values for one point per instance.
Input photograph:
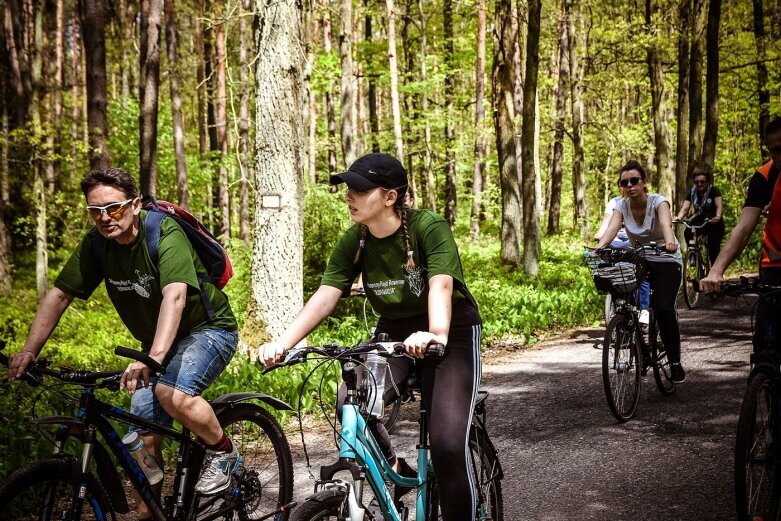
(413, 278)
(708, 206)
(647, 218)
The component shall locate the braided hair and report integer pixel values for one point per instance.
(400, 206)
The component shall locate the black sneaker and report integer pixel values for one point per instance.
(407, 472)
(677, 374)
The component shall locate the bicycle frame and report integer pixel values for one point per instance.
(360, 453)
(92, 417)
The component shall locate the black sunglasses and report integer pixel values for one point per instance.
(623, 183)
(700, 182)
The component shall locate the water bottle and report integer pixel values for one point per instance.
(377, 366)
(145, 459)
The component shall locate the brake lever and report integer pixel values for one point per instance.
(293, 356)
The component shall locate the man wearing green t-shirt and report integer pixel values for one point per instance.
(161, 306)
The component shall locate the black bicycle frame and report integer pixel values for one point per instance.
(92, 417)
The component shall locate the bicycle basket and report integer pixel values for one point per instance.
(617, 270)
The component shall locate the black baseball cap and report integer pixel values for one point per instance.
(371, 171)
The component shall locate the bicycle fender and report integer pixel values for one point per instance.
(107, 471)
(227, 400)
(491, 450)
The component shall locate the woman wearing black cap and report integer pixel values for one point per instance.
(413, 278)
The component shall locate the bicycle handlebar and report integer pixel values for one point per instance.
(692, 227)
(298, 355)
(40, 368)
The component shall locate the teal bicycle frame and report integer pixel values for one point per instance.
(360, 454)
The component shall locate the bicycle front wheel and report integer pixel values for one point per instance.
(326, 505)
(266, 482)
(757, 483)
(621, 365)
(44, 491)
(691, 272)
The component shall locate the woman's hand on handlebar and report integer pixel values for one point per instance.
(271, 353)
(18, 364)
(416, 344)
(670, 247)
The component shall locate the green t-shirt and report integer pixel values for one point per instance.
(392, 292)
(134, 284)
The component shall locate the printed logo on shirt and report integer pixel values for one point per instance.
(415, 280)
(385, 287)
(141, 286)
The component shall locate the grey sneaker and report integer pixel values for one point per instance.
(677, 374)
(217, 469)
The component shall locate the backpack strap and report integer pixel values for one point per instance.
(152, 226)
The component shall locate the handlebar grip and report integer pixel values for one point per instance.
(435, 351)
(140, 356)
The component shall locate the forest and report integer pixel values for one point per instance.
(512, 118)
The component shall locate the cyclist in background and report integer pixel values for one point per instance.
(413, 278)
(622, 241)
(161, 306)
(708, 207)
(647, 219)
(763, 190)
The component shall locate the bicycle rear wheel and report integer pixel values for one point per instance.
(661, 365)
(691, 271)
(265, 479)
(393, 413)
(621, 366)
(488, 475)
(44, 491)
(757, 480)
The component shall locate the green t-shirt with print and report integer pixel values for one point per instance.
(392, 292)
(134, 284)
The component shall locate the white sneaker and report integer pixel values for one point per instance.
(217, 469)
(644, 317)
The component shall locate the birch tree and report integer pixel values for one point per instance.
(171, 40)
(277, 260)
(394, 81)
(348, 83)
(531, 216)
(480, 145)
(151, 15)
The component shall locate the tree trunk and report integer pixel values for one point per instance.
(200, 91)
(450, 121)
(503, 77)
(39, 182)
(56, 92)
(682, 131)
(277, 260)
(429, 182)
(171, 40)
(712, 86)
(374, 123)
(149, 76)
(531, 217)
(348, 84)
(77, 78)
(310, 27)
(245, 159)
(695, 89)
(664, 178)
(125, 20)
(411, 121)
(480, 134)
(5, 236)
(554, 208)
(329, 102)
(21, 86)
(394, 81)
(211, 117)
(93, 24)
(576, 87)
(762, 91)
(223, 184)
(520, 14)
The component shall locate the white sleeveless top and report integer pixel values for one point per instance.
(650, 230)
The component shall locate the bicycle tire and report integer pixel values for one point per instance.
(488, 474)
(326, 505)
(691, 269)
(44, 480)
(610, 309)
(267, 462)
(621, 366)
(393, 415)
(662, 374)
(757, 480)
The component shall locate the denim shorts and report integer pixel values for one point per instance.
(192, 364)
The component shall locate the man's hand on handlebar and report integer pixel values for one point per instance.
(18, 364)
(712, 282)
(135, 372)
(271, 353)
(417, 343)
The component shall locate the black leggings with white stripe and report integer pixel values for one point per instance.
(449, 389)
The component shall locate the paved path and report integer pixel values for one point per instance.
(565, 456)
